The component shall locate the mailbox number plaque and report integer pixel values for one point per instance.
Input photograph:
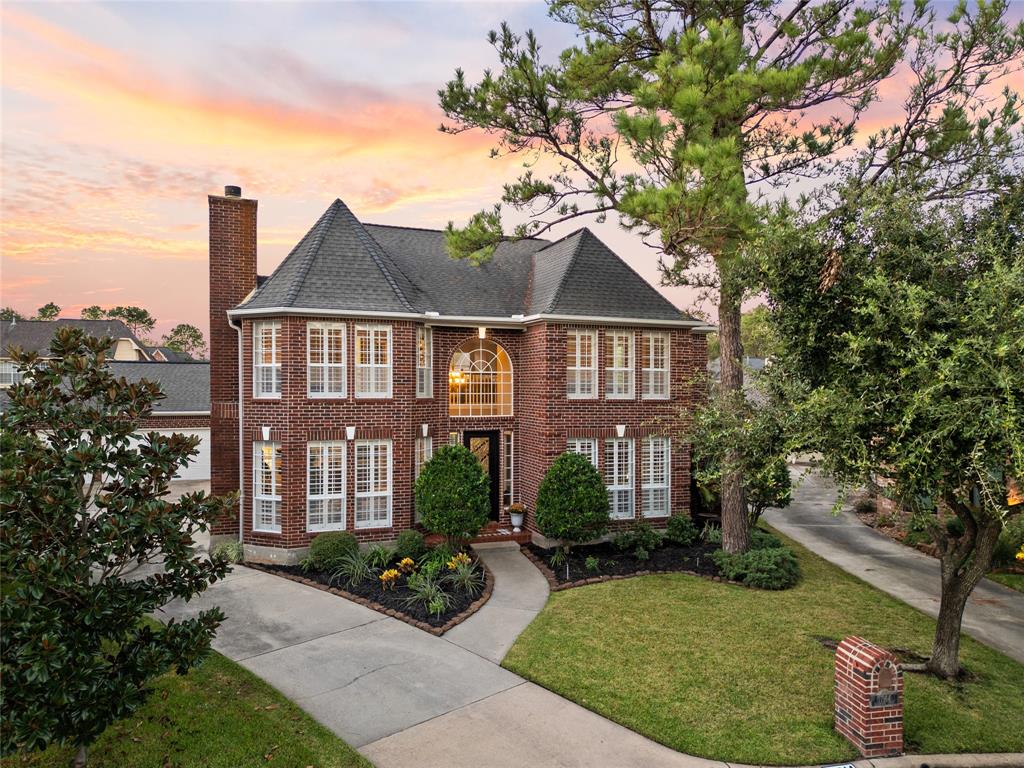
(884, 699)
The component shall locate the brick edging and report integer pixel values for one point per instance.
(473, 607)
(555, 586)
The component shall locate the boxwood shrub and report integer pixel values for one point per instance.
(681, 530)
(763, 540)
(774, 568)
(327, 549)
(572, 503)
(453, 495)
(410, 544)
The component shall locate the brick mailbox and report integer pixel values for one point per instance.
(869, 698)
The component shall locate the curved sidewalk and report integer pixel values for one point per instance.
(994, 613)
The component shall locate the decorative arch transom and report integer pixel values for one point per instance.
(480, 380)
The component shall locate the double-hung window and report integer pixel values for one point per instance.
(618, 477)
(266, 487)
(654, 356)
(619, 353)
(266, 358)
(585, 446)
(654, 476)
(580, 364)
(325, 486)
(325, 355)
(373, 484)
(424, 361)
(373, 361)
(9, 373)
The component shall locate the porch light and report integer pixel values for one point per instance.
(482, 331)
(425, 429)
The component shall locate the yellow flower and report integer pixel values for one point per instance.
(1020, 555)
(460, 559)
(407, 564)
(389, 577)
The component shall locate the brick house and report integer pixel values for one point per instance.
(334, 379)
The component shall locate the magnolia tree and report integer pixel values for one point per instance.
(908, 367)
(85, 502)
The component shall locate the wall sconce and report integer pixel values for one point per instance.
(482, 332)
(620, 430)
(266, 433)
(350, 433)
(424, 429)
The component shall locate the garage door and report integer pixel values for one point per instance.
(199, 467)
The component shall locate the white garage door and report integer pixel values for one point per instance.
(199, 467)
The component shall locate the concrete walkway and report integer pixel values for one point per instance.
(994, 614)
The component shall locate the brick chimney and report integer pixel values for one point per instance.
(232, 277)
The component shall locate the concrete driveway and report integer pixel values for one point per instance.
(994, 614)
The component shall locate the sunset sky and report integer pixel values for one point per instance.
(119, 119)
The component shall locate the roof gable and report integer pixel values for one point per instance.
(37, 335)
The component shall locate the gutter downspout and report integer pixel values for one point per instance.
(241, 435)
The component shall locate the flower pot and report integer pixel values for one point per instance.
(517, 520)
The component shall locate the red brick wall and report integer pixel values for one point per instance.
(543, 417)
(156, 421)
(232, 277)
(863, 670)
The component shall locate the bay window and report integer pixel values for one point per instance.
(266, 358)
(325, 355)
(266, 487)
(373, 484)
(619, 363)
(584, 446)
(654, 355)
(654, 476)
(581, 364)
(373, 361)
(325, 486)
(618, 477)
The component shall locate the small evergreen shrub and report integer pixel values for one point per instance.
(328, 548)
(775, 568)
(592, 564)
(711, 534)
(453, 495)
(572, 503)
(410, 544)
(681, 530)
(763, 540)
(231, 551)
(641, 538)
(1010, 542)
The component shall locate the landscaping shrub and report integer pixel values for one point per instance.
(572, 503)
(774, 568)
(380, 556)
(681, 530)
(427, 591)
(465, 577)
(410, 544)
(763, 540)
(641, 538)
(328, 548)
(1010, 542)
(711, 534)
(352, 568)
(231, 551)
(453, 494)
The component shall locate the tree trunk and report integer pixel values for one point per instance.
(960, 575)
(735, 528)
(80, 758)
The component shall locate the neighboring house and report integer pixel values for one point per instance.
(36, 336)
(185, 409)
(368, 348)
(168, 355)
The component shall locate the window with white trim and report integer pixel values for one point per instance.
(373, 484)
(618, 477)
(424, 361)
(507, 470)
(584, 446)
(580, 364)
(619, 363)
(266, 487)
(325, 358)
(654, 476)
(373, 361)
(9, 374)
(654, 357)
(424, 450)
(266, 358)
(325, 486)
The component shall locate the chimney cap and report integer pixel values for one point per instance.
(232, 191)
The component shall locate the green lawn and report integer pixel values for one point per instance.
(1011, 580)
(218, 716)
(739, 675)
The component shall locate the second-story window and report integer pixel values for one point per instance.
(373, 361)
(581, 364)
(424, 362)
(618, 382)
(9, 374)
(325, 354)
(654, 357)
(266, 357)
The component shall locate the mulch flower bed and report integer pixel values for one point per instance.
(614, 564)
(390, 602)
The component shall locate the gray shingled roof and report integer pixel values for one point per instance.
(186, 385)
(36, 335)
(342, 264)
(171, 355)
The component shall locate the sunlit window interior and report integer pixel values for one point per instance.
(480, 380)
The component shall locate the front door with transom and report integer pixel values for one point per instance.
(485, 446)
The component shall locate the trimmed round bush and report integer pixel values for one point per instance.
(572, 503)
(410, 544)
(775, 568)
(763, 540)
(327, 549)
(453, 495)
(681, 530)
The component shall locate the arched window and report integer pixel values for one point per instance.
(480, 380)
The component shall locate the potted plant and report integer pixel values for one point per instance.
(517, 512)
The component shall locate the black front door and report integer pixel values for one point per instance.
(485, 446)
